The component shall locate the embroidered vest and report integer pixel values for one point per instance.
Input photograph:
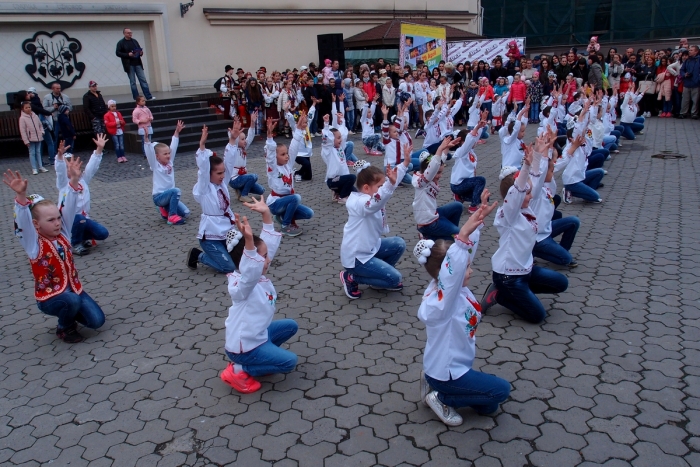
(52, 271)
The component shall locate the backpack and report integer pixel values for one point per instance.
(217, 85)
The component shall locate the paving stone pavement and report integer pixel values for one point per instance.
(611, 378)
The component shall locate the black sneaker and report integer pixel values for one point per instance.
(70, 335)
(489, 298)
(350, 287)
(193, 258)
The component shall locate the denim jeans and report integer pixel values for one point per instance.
(596, 158)
(70, 307)
(446, 226)
(379, 270)
(216, 256)
(51, 145)
(557, 201)
(350, 119)
(86, 229)
(374, 142)
(269, 358)
(343, 185)
(667, 106)
(35, 155)
(616, 134)
(350, 152)
(558, 253)
(610, 142)
(305, 169)
(137, 72)
(470, 189)
(481, 391)
(290, 209)
(170, 199)
(118, 141)
(534, 111)
(517, 293)
(586, 188)
(313, 124)
(247, 184)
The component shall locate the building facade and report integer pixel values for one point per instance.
(76, 41)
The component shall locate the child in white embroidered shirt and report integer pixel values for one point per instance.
(366, 257)
(235, 158)
(166, 196)
(512, 135)
(451, 315)
(85, 229)
(44, 233)
(217, 218)
(338, 177)
(252, 339)
(433, 222)
(515, 279)
(464, 182)
(391, 139)
(371, 140)
(284, 203)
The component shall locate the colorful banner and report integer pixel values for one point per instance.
(426, 43)
(486, 50)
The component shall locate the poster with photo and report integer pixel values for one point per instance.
(421, 43)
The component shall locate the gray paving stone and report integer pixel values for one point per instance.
(601, 448)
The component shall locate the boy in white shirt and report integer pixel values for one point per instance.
(371, 140)
(464, 182)
(235, 158)
(512, 135)
(338, 176)
(393, 146)
(166, 196)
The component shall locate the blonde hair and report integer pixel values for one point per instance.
(43, 202)
(160, 147)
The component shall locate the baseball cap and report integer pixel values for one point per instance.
(92, 83)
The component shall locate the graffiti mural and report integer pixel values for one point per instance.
(54, 59)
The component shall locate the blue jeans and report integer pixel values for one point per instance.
(216, 256)
(137, 72)
(51, 145)
(407, 179)
(586, 188)
(70, 307)
(667, 105)
(118, 141)
(35, 155)
(171, 199)
(610, 142)
(269, 358)
(290, 209)
(596, 158)
(481, 391)
(470, 189)
(350, 119)
(374, 142)
(534, 111)
(86, 229)
(558, 253)
(379, 270)
(247, 184)
(313, 124)
(342, 185)
(630, 129)
(517, 293)
(447, 225)
(350, 152)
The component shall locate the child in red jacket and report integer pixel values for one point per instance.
(518, 92)
(115, 124)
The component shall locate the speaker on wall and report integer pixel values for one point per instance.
(331, 46)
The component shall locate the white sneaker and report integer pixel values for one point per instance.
(566, 196)
(152, 98)
(447, 414)
(424, 388)
(42, 170)
(297, 178)
(35, 172)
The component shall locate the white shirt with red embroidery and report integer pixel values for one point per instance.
(542, 202)
(433, 132)
(451, 315)
(517, 229)
(366, 222)
(163, 175)
(253, 296)
(446, 121)
(511, 146)
(217, 216)
(336, 165)
(280, 178)
(62, 182)
(425, 197)
(465, 160)
(235, 158)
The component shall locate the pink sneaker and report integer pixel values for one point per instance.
(163, 213)
(175, 220)
(367, 150)
(241, 381)
(374, 152)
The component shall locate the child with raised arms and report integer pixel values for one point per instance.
(235, 158)
(217, 233)
(434, 222)
(44, 233)
(306, 147)
(85, 229)
(166, 196)
(515, 279)
(338, 122)
(371, 140)
(338, 176)
(451, 316)
(393, 145)
(366, 257)
(284, 204)
(464, 183)
(253, 339)
(512, 135)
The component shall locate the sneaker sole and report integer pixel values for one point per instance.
(230, 383)
(345, 289)
(295, 234)
(437, 411)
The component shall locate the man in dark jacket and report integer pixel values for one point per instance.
(95, 108)
(563, 69)
(129, 50)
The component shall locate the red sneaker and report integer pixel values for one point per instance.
(163, 213)
(241, 381)
(175, 220)
(473, 209)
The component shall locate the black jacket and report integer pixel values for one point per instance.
(37, 106)
(94, 106)
(123, 49)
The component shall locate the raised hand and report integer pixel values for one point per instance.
(16, 183)
(100, 142)
(62, 149)
(179, 127)
(271, 123)
(74, 167)
(391, 174)
(385, 111)
(244, 228)
(541, 144)
(484, 117)
(407, 150)
(529, 154)
(326, 119)
(253, 118)
(333, 96)
(303, 121)
(203, 139)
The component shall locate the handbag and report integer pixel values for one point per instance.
(647, 87)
